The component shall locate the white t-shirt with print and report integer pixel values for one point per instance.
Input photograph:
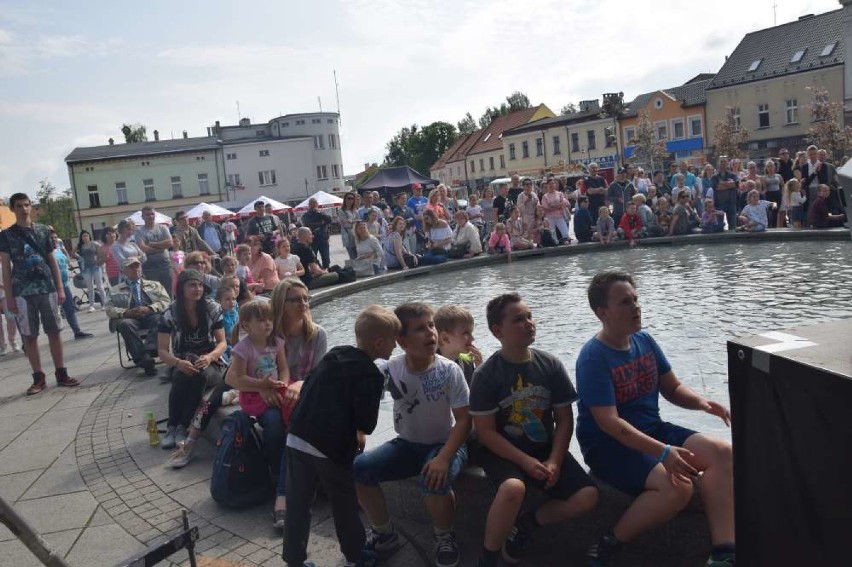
(423, 401)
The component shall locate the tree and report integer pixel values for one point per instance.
(134, 133)
(569, 108)
(827, 132)
(518, 101)
(647, 149)
(729, 136)
(56, 209)
(466, 125)
(515, 101)
(420, 147)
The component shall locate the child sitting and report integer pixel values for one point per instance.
(455, 338)
(605, 227)
(518, 231)
(664, 215)
(753, 217)
(819, 215)
(243, 270)
(430, 407)
(516, 397)
(498, 242)
(583, 221)
(712, 220)
(630, 226)
(338, 404)
(288, 265)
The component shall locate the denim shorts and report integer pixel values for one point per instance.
(627, 469)
(399, 459)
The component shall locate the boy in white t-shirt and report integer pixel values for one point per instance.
(430, 406)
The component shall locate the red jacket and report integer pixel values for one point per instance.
(630, 224)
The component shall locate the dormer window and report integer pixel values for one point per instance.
(755, 64)
(486, 137)
(797, 56)
(828, 49)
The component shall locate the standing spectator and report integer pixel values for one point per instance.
(785, 164)
(663, 189)
(276, 222)
(106, 259)
(641, 181)
(837, 202)
(771, 183)
(318, 222)
(583, 221)
(87, 255)
(34, 289)
(68, 306)
(212, 233)
(263, 226)
(526, 202)
(814, 174)
(487, 205)
(724, 185)
(417, 203)
(155, 240)
(501, 204)
(515, 189)
(688, 177)
(595, 190)
(230, 229)
(347, 214)
(618, 194)
(124, 247)
(8, 340)
(189, 240)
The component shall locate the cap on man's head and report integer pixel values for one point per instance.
(130, 261)
(193, 275)
(416, 186)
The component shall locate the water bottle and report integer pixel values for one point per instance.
(151, 426)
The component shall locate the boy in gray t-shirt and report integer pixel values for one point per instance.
(430, 410)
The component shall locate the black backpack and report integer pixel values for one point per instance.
(240, 473)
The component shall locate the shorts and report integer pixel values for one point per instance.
(399, 459)
(32, 308)
(572, 476)
(797, 214)
(627, 469)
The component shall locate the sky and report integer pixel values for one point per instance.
(71, 73)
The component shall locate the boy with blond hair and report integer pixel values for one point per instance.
(455, 338)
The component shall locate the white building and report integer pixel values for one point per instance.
(287, 158)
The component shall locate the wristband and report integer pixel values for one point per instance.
(664, 454)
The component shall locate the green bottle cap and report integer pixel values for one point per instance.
(149, 415)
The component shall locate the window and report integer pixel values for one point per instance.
(678, 129)
(491, 163)
(629, 136)
(738, 120)
(322, 172)
(695, 127)
(502, 161)
(203, 184)
(234, 180)
(481, 164)
(264, 153)
(557, 146)
(575, 142)
(792, 107)
(148, 185)
(266, 177)
(662, 130)
(525, 149)
(300, 122)
(797, 56)
(230, 156)
(754, 65)
(319, 142)
(332, 142)
(539, 146)
(121, 193)
(330, 120)
(335, 171)
(285, 124)
(316, 120)
(177, 190)
(511, 151)
(763, 116)
(590, 136)
(472, 166)
(827, 50)
(94, 197)
(260, 132)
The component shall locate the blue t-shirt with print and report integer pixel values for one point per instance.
(626, 379)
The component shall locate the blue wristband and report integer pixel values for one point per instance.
(664, 454)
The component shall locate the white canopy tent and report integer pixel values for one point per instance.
(277, 206)
(325, 201)
(159, 218)
(218, 213)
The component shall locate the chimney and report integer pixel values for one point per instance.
(185, 135)
(111, 142)
(587, 105)
(156, 135)
(216, 129)
(366, 166)
(245, 122)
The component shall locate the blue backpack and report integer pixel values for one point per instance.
(240, 473)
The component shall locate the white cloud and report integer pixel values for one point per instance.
(21, 55)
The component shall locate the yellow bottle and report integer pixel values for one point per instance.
(151, 426)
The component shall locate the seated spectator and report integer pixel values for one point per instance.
(753, 217)
(314, 276)
(243, 252)
(454, 325)
(647, 216)
(664, 214)
(439, 238)
(712, 220)
(368, 248)
(436, 206)
(583, 221)
(288, 265)
(397, 254)
(466, 241)
(819, 215)
(499, 242)
(262, 266)
(682, 216)
(229, 270)
(201, 261)
(605, 227)
(134, 306)
(539, 229)
(518, 231)
(630, 226)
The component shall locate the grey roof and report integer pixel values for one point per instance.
(141, 149)
(776, 46)
(689, 94)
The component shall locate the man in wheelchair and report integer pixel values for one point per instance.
(134, 307)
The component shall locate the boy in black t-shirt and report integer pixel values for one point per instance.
(516, 396)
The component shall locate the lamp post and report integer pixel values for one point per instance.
(306, 188)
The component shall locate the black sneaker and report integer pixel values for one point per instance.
(382, 544)
(601, 553)
(83, 335)
(368, 559)
(515, 546)
(148, 365)
(446, 550)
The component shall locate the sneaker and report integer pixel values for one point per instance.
(724, 562)
(515, 546)
(62, 378)
(381, 543)
(368, 559)
(39, 383)
(601, 553)
(148, 365)
(91, 309)
(83, 335)
(279, 519)
(3, 350)
(15, 348)
(181, 457)
(167, 441)
(446, 550)
(180, 434)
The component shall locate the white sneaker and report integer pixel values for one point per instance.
(181, 457)
(3, 350)
(91, 309)
(15, 348)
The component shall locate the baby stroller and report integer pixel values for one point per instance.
(81, 299)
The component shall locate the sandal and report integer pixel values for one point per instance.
(279, 517)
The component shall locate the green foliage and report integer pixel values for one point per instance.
(827, 132)
(134, 133)
(466, 125)
(420, 147)
(56, 209)
(569, 108)
(515, 101)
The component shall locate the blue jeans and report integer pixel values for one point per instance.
(70, 311)
(727, 201)
(430, 258)
(399, 459)
(274, 438)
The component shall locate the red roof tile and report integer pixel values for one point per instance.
(491, 138)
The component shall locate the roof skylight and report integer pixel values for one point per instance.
(755, 64)
(828, 49)
(797, 56)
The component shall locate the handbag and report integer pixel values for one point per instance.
(458, 250)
